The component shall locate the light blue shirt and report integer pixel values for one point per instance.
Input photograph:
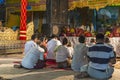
(79, 57)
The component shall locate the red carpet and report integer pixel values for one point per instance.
(17, 62)
(49, 64)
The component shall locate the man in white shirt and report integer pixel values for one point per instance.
(31, 58)
(31, 43)
(51, 45)
(63, 57)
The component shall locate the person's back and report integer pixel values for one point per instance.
(51, 45)
(62, 53)
(63, 57)
(100, 56)
(31, 58)
(79, 56)
(29, 45)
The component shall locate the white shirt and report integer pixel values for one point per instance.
(31, 57)
(29, 45)
(62, 54)
(51, 45)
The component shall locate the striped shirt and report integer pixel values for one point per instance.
(100, 55)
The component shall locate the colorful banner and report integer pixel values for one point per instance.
(93, 4)
(33, 5)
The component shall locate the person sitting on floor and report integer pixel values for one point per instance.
(99, 55)
(63, 56)
(34, 58)
(51, 45)
(107, 42)
(79, 56)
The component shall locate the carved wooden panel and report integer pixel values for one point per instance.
(56, 14)
(63, 11)
(55, 11)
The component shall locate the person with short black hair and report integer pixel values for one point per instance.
(63, 57)
(34, 57)
(81, 39)
(51, 45)
(107, 42)
(79, 55)
(99, 55)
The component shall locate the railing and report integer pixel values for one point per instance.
(115, 42)
(16, 46)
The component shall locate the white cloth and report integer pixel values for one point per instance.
(90, 44)
(29, 45)
(71, 50)
(32, 56)
(51, 45)
(62, 54)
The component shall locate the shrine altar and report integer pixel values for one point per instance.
(114, 41)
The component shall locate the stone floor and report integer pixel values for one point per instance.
(8, 71)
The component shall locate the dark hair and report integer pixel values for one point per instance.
(54, 36)
(42, 38)
(34, 36)
(107, 40)
(100, 36)
(81, 39)
(65, 41)
(92, 40)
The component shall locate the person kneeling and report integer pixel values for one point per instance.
(63, 56)
(101, 58)
(34, 58)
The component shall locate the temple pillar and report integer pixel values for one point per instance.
(23, 19)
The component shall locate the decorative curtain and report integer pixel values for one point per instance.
(93, 4)
(77, 3)
(23, 20)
